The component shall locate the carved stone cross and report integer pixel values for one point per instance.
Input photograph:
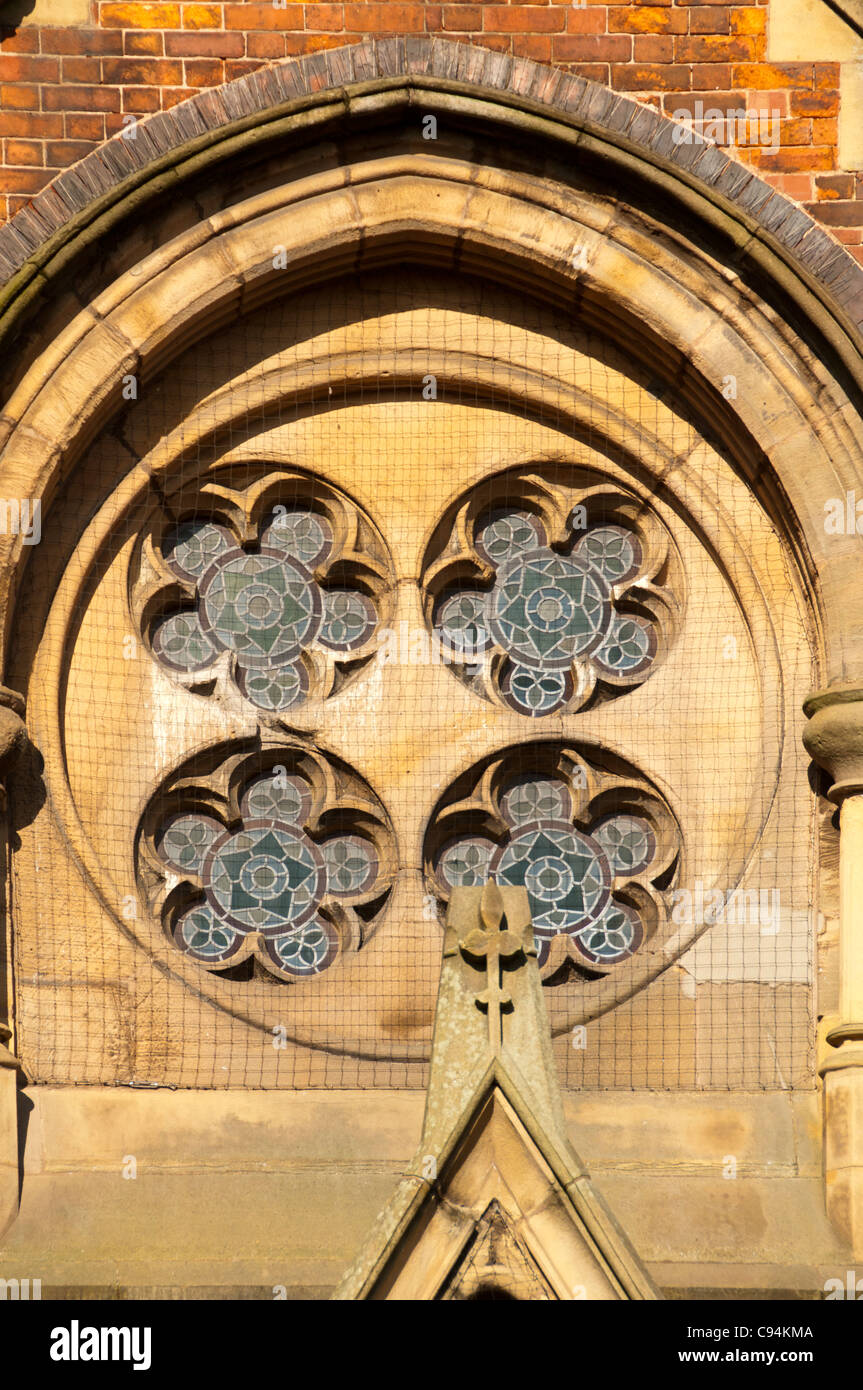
(492, 942)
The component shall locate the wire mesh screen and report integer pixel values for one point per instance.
(406, 583)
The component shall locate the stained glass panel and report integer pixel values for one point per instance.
(349, 620)
(267, 878)
(548, 611)
(465, 864)
(304, 535)
(266, 607)
(568, 872)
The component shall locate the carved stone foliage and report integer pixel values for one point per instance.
(546, 595)
(274, 591)
(279, 859)
(593, 843)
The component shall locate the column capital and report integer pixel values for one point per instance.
(833, 738)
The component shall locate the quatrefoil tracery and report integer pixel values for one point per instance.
(591, 847)
(277, 592)
(280, 586)
(557, 591)
(267, 856)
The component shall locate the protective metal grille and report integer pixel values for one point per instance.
(357, 552)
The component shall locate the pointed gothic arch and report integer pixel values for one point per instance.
(741, 314)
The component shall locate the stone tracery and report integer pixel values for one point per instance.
(557, 621)
(537, 600)
(250, 863)
(173, 452)
(758, 405)
(273, 589)
(588, 846)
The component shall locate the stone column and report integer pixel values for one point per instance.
(834, 740)
(13, 737)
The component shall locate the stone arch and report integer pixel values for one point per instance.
(95, 219)
(544, 182)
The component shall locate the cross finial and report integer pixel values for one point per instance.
(492, 942)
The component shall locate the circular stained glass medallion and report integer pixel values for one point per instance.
(264, 607)
(548, 609)
(565, 872)
(613, 550)
(300, 533)
(265, 878)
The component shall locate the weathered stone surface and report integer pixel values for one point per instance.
(566, 328)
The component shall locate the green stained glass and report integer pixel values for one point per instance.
(466, 863)
(192, 547)
(565, 872)
(202, 934)
(628, 841)
(351, 864)
(629, 647)
(303, 952)
(180, 641)
(462, 623)
(536, 692)
(277, 689)
(280, 795)
(547, 609)
(536, 798)
(302, 534)
(266, 878)
(568, 873)
(505, 533)
(613, 936)
(349, 619)
(263, 608)
(185, 841)
(614, 551)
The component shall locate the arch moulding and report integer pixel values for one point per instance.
(317, 167)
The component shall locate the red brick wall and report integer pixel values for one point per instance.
(62, 91)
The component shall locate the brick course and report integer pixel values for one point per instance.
(62, 91)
